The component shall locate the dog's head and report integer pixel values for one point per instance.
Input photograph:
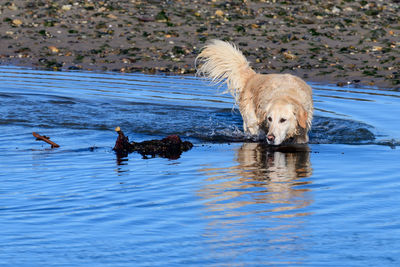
(282, 119)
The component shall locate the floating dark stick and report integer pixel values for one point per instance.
(169, 147)
(45, 138)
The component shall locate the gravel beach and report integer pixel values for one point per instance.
(338, 42)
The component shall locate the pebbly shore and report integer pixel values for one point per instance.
(338, 42)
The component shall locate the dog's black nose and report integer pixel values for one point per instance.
(271, 137)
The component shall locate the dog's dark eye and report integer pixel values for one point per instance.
(269, 119)
(282, 120)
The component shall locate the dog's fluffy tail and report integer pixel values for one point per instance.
(223, 62)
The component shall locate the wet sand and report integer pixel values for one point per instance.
(339, 42)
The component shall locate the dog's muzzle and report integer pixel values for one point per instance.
(270, 139)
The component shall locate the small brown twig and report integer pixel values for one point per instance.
(46, 139)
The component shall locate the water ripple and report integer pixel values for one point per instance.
(225, 202)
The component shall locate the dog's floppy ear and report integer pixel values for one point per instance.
(261, 117)
(262, 113)
(301, 116)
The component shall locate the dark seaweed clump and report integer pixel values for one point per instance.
(170, 147)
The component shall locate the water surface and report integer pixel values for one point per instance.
(225, 202)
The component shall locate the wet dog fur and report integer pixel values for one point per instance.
(274, 107)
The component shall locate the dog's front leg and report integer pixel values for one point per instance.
(255, 131)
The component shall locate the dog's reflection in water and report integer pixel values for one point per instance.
(271, 176)
(279, 169)
(261, 201)
(276, 164)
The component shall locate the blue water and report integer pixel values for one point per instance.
(227, 201)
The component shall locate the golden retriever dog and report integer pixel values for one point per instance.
(278, 107)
